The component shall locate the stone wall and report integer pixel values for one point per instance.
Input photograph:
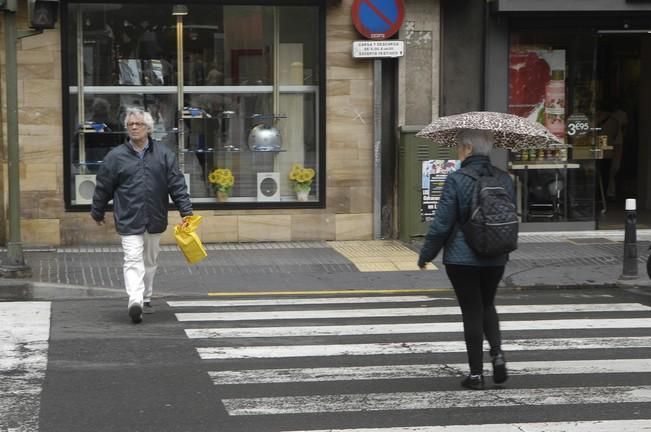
(40, 136)
(420, 66)
(348, 213)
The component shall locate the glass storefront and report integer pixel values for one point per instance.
(551, 80)
(235, 87)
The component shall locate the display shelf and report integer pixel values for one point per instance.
(544, 165)
(244, 89)
(90, 132)
(210, 150)
(88, 163)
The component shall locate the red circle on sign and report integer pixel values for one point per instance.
(364, 30)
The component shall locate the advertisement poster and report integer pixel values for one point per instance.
(434, 173)
(537, 86)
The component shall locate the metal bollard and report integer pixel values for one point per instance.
(630, 241)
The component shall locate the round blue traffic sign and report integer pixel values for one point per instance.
(378, 19)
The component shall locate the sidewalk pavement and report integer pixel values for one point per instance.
(543, 260)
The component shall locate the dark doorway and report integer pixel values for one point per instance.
(621, 94)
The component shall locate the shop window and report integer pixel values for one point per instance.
(550, 81)
(237, 88)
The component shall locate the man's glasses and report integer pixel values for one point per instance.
(135, 124)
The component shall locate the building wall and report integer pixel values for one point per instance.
(419, 68)
(461, 47)
(40, 136)
(349, 151)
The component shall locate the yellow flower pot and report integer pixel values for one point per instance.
(222, 196)
(302, 195)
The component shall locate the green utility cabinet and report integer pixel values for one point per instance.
(412, 152)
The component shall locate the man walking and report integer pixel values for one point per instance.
(138, 176)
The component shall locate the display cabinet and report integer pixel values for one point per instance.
(258, 149)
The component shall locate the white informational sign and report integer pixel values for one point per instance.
(378, 48)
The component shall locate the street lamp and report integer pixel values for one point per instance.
(15, 263)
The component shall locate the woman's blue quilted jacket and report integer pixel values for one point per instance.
(455, 200)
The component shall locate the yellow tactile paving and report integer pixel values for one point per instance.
(378, 255)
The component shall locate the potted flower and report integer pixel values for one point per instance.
(221, 180)
(302, 179)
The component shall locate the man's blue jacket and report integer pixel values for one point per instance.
(139, 188)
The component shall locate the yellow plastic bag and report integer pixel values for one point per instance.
(188, 240)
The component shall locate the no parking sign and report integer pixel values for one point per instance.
(378, 19)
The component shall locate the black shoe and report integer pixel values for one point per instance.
(148, 308)
(499, 369)
(135, 312)
(473, 382)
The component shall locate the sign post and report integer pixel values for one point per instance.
(377, 20)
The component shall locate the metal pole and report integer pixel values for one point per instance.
(81, 107)
(629, 270)
(180, 90)
(377, 149)
(15, 265)
(276, 78)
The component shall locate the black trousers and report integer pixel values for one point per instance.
(475, 288)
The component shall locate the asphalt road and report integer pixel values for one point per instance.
(579, 359)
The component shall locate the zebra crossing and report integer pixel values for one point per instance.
(581, 365)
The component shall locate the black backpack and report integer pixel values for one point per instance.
(492, 225)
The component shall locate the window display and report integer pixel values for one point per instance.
(234, 88)
(549, 72)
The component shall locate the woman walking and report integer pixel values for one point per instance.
(474, 278)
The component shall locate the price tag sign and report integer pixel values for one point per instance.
(577, 125)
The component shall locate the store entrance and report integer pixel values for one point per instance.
(623, 102)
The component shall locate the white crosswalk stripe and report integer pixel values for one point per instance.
(578, 426)
(257, 337)
(24, 339)
(303, 301)
(436, 400)
(423, 311)
(411, 371)
(380, 329)
(213, 353)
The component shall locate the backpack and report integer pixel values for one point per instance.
(492, 225)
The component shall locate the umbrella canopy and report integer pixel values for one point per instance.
(510, 131)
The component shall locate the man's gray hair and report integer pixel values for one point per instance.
(146, 117)
(481, 141)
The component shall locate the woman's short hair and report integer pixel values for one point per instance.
(481, 141)
(146, 117)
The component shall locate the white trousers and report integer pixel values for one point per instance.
(140, 264)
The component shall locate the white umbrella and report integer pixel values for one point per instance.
(510, 131)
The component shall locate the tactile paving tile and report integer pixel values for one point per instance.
(378, 255)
